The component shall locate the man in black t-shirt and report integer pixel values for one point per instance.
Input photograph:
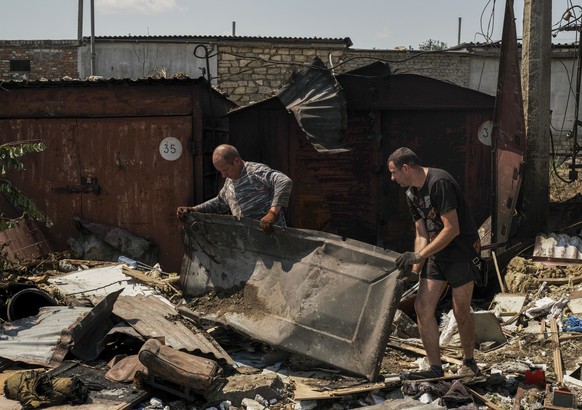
(442, 220)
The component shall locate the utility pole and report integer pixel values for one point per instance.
(535, 70)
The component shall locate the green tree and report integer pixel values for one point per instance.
(433, 45)
(10, 154)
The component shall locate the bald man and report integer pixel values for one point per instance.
(251, 190)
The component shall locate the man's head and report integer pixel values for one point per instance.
(402, 164)
(227, 161)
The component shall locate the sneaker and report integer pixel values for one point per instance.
(421, 375)
(471, 374)
(469, 370)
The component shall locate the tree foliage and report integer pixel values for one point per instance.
(10, 154)
(433, 45)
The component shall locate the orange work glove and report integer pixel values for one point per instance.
(183, 211)
(268, 220)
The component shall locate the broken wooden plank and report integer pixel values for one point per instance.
(162, 285)
(304, 389)
(560, 281)
(485, 400)
(403, 346)
(557, 355)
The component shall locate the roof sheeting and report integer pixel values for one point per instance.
(316, 99)
(151, 318)
(46, 338)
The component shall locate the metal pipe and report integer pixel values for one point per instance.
(234, 28)
(92, 37)
(27, 303)
(459, 33)
(573, 174)
(80, 22)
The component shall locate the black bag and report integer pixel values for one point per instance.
(480, 271)
(479, 266)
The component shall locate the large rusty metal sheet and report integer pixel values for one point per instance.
(308, 292)
(508, 135)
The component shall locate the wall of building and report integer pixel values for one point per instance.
(144, 59)
(48, 59)
(251, 69)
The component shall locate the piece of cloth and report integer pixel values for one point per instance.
(572, 324)
(458, 397)
(35, 389)
(469, 370)
(252, 194)
(124, 370)
(440, 194)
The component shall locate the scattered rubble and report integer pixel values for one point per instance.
(127, 337)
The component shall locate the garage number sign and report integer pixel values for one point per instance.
(170, 148)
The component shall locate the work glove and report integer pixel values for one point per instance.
(268, 220)
(407, 259)
(183, 211)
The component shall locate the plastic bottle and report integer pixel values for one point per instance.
(129, 262)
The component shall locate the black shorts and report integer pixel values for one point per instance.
(454, 272)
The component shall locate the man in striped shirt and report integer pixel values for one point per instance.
(251, 190)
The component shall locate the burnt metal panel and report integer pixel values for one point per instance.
(308, 292)
(315, 98)
(508, 136)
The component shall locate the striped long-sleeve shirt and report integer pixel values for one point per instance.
(252, 194)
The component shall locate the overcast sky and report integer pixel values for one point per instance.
(381, 24)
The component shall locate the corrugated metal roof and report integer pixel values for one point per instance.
(201, 38)
(46, 338)
(152, 318)
(100, 81)
(37, 339)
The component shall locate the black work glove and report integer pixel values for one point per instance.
(407, 259)
(267, 221)
(182, 211)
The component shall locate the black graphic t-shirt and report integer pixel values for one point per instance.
(439, 195)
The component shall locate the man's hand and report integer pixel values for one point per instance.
(268, 220)
(183, 211)
(407, 259)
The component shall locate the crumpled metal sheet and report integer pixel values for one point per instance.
(23, 242)
(309, 292)
(151, 318)
(46, 338)
(316, 99)
(508, 134)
